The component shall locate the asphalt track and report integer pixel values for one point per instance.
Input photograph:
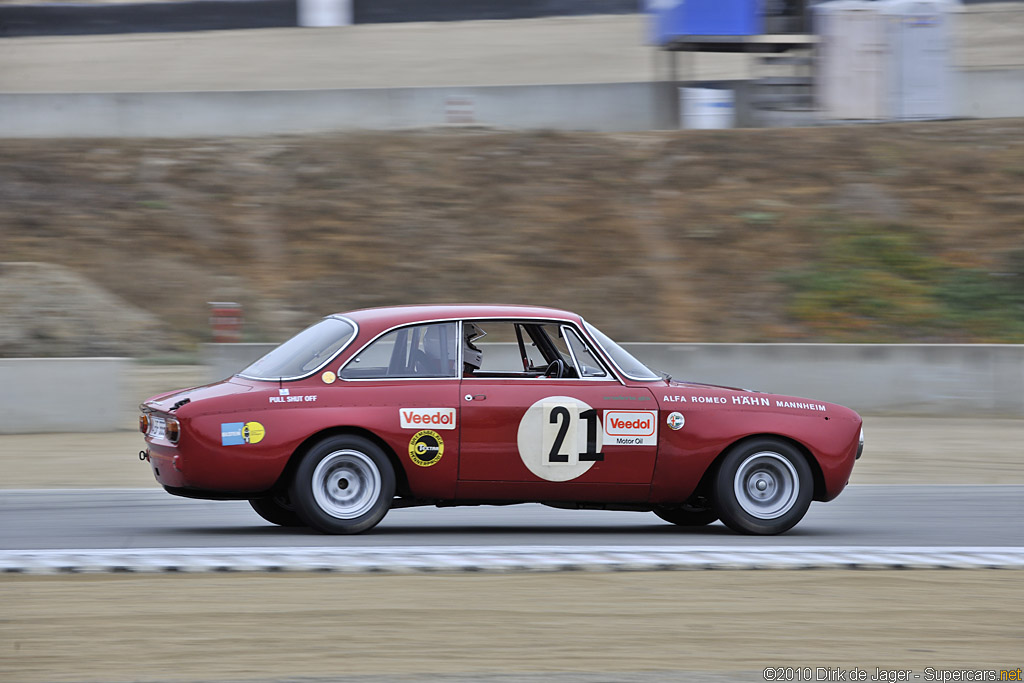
(863, 516)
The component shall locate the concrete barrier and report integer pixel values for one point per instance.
(62, 394)
(91, 394)
(992, 93)
(955, 380)
(585, 106)
(910, 379)
(609, 107)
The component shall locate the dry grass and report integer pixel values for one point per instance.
(654, 236)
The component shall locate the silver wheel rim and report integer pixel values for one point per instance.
(766, 485)
(346, 484)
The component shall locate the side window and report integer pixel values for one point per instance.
(420, 351)
(495, 348)
(554, 333)
(491, 348)
(590, 366)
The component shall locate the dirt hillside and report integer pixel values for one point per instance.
(870, 233)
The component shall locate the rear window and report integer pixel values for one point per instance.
(305, 353)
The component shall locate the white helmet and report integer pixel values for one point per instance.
(471, 355)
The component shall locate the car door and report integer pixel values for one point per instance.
(528, 434)
(404, 385)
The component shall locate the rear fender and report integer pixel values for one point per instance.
(401, 477)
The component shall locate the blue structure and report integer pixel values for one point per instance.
(674, 18)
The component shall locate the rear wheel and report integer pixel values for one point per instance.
(763, 487)
(344, 485)
(687, 516)
(276, 510)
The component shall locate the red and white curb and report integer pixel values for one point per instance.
(497, 559)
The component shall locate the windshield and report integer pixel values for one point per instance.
(629, 365)
(305, 353)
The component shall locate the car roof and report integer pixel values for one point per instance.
(391, 316)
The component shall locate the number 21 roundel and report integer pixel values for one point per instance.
(560, 438)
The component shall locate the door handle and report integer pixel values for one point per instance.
(476, 397)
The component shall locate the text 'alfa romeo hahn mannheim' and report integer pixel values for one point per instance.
(485, 404)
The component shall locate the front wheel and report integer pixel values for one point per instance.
(344, 485)
(763, 487)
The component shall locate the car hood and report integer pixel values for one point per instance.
(777, 401)
(680, 383)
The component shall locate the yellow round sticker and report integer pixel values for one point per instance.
(426, 448)
(328, 377)
(253, 432)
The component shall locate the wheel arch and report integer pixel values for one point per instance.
(704, 487)
(401, 479)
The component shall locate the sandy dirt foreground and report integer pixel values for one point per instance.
(212, 627)
(897, 451)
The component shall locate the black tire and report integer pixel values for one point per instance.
(763, 487)
(687, 516)
(277, 510)
(344, 485)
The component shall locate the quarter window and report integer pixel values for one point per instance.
(589, 365)
(409, 352)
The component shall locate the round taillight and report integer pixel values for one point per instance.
(144, 423)
(173, 430)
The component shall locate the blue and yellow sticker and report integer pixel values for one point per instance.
(240, 433)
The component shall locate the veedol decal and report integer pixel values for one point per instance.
(239, 433)
(560, 438)
(426, 447)
(436, 418)
(631, 427)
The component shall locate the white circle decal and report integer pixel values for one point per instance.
(676, 421)
(560, 438)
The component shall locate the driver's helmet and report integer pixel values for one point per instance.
(472, 357)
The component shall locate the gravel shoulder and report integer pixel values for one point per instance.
(413, 628)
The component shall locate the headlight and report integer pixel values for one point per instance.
(860, 443)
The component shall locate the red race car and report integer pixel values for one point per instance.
(479, 404)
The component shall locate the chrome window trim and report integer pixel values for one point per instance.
(576, 361)
(459, 339)
(458, 369)
(611, 360)
(355, 335)
(534, 379)
(613, 376)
